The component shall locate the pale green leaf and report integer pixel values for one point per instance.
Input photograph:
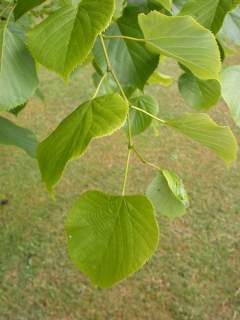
(168, 194)
(93, 119)
(210, 14)
(11, 134)
(160, 78)
(183, 39)
(140, 121)
(231, 26)
(199, 94)
(66, 37)
(201, 128)
(111, 237)
(230, 81)
(18, 78)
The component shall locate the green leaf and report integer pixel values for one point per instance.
(167, 4)
(210, 14)
(183, 39)
(93, 119)
(168, 194)
(111, 237)
(66, 37)
(24, 6)
(160, 78)
(120, 5)
(231, 27)
(199, 94)
(230, 81)
(132, 63)
(201, 128)
(18, 109)
(11, 134)
(18, 78)
(140, 121)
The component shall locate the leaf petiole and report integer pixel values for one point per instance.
(149, 114)
(143, 160)
(122, 37)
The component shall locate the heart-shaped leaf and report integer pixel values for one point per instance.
(65, 38)
(111, 237)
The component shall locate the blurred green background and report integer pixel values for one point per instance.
(195, 274)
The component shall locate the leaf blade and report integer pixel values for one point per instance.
(111, 237)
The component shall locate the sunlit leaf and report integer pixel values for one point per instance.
(93, 119)
(201, 128)
(111, 237)
(65, 38)
(183, 39)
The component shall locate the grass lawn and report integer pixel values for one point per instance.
(195, 274)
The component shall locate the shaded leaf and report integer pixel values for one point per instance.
(199, 94)
(24, 6)
(18, 78)
(132, 63)
(168, 194)
(140, 121)
(230, 81)
(11, 134)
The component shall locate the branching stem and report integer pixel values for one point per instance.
(130, 139)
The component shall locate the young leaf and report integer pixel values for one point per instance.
(201, 128)
(230, 91)
(93, 119)
(24, 6)
(168, 194)
(65, 38)
(11, 134)
(140, 121)
(210, 14)
(18, 78)
(199, 94)
(183, 39)
(111, 237)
